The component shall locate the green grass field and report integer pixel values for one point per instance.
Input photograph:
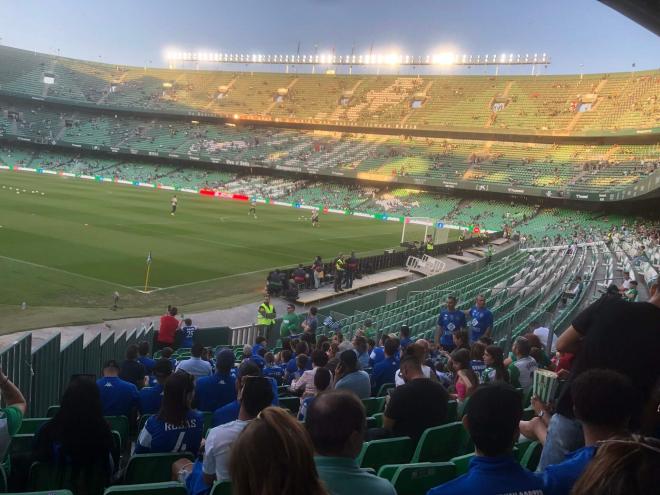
(65, 252)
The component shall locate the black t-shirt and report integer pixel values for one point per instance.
(621, 336)
(416, 406)
(133, 372)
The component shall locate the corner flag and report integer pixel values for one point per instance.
(146, 278)
(149, 258)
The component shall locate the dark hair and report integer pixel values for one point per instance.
(325, 346)
(111, 364)
(162, 368)
(493, 413)
(301, 360)
(309, 338)
(322, 379)
(462, 357)
(405, 331)
(257, 394)
(340, 409)
(301, 347)
(603, 398)
(166, 352)
(313, 310)
(260, 339)
(249, 368)
(188, 321)
(172, 310)
(391, 346)
(264, 452)
(132, 352)
(349, 360)
(361, 344)
(522, 346)
(262, 352)
(477, 351)
(286, 355)
(462, 337)
(501, 373)
(269, 357)
(411, 361)
(143, 348)
(197, 350)
(622, 466)
(177, 393)
(319, 358)
(78, 427)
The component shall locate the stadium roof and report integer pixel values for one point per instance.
(644, 12)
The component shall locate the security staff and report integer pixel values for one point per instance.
(429, 245)
(340, 268)
(266, 316)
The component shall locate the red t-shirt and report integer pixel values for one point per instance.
(168, 326)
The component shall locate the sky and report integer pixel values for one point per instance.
(578, 35)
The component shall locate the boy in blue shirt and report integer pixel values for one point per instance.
(404, 337)
(603, 401)
(450, 320)
(385, 371)
(118, 397)
(271, 370)
(151, 397)
(219, 389)
(492, 416)
(480, 319)
(187, 333)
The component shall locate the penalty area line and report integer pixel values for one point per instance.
(224, 277)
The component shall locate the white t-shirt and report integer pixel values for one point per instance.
(398, 379)
(626, 284)
(543, 333)
(526, 366)
(218, 447)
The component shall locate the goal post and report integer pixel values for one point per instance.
(427, 222)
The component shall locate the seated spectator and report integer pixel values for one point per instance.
(219, 389)
(537, 351)
(187, 331)
(304, 386)
(255, 395)
(524, 363)
(132, 370)
(348, 376)
(11, 415)
(491, 418)
(78, 435)
(259, 343)
(477, 364)
(292, 366)
(333, 357)
(263, 454)
(322, 381)
(361, 349)
(543, 333)
(622, 467)
(118, 397)
(603, 401)
(301, 362)
(465, 380)
(337, 447)
(272, 370)
(632, 293)
(195, 365)
(167, 328)
(167, 353)
(404, 337)
(177, 427)
(151, 397)
(495, 369)
(420, 350)
(385, 371)
(415, 406)
(143, 351)
(461, 339)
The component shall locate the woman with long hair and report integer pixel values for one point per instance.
(78, 435)
(465, 380)
(495, 369)
(177, 427)
(274, 455)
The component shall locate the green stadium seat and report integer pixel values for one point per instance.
(120, 425)
(374, 405)
(377, 453)
(152, 468)
(520, 448)
(47, 477)
(440, 443)
(52, 411)
(3, 479)
(46, 492)
(222, 488)
(462, 463)
(379, 419)
(530, 458)
(384, 389)
(165, 488)
(21, 443)
(419, 478)
(31, 425)
(452, 411)
(290, 403)
(143, 421)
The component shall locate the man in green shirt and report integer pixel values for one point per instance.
(631, 294)
(290, 322)
(11, 416)
(336, 423)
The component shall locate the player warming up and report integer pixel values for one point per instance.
(253, 209)
(315, 218)
(173, 203)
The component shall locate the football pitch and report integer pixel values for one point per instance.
(66, 245)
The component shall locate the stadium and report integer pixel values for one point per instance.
(337, 271)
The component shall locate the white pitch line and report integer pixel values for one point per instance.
(59, 270)
(188, 284)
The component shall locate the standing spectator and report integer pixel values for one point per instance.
(351, 270)
(525, 363)
(404, 337)
(255, 395)
(480, 319)
(378, 353)
(495, 369)
(465, 379)
(415, 406)
(78, 435)
(132, 370)
(266, 316)
(290, 326)
(317, 267)
(118, 397)
(340, 269)
(385, 371)
(299, 276)
(449, 321)
(348, 376)
(263, 454)
(147, 362)
(322, 382)
(151, 397)
(311, 322)
(543, 333)
(187, 331)
(11, 416)
(215, 391)
(195, 365)
(336, 447)
(259, 343)
(167, 328)
(304, 386)
(177, 427)
(595, 336)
